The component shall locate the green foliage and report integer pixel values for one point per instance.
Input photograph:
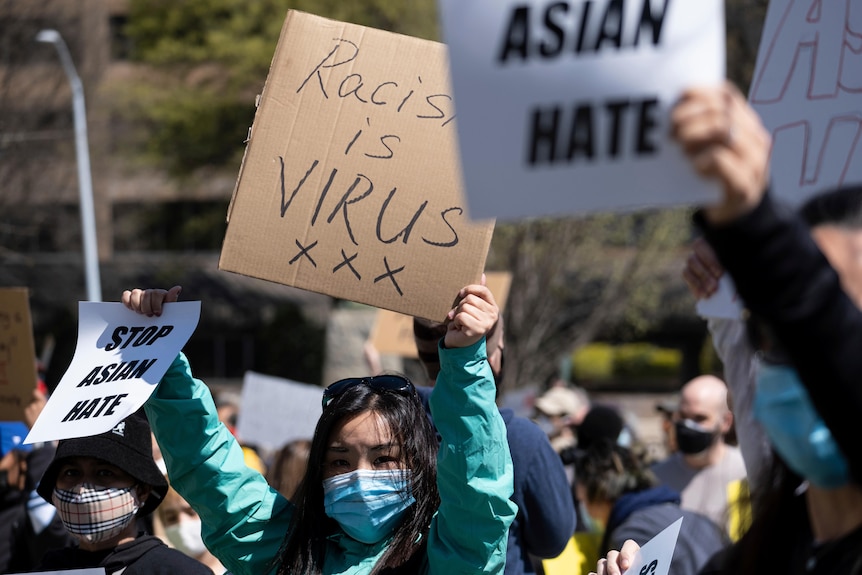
(708, 361)
(237, 34)
(593, 362)
(605, 362)
(200, 128)
(212, 56)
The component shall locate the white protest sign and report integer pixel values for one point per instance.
(807, 88)
(563, 106)
(655, 556)
(120, 357)
(724, 303)
(94, 571)
(276, 410)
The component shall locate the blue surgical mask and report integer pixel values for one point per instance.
(796, 430)
(368, 504)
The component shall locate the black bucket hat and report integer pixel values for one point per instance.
(128, 445)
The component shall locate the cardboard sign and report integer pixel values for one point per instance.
(351, 184)
(393, 332)
(17, 354)
(655, 556)
(563, 107)
(120, 358)
(807, 88)
(277, 410)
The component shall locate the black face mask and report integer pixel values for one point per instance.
(692, 439)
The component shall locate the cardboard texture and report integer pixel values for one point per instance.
(17, 354)
(393, 332)
(351, 182)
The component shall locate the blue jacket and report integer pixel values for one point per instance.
(546, 510)
(245, 521)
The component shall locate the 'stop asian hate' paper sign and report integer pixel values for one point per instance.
(120, 358)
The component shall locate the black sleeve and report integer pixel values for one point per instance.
(783, 277)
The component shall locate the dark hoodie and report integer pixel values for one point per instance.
(644, 514)
(146, 555)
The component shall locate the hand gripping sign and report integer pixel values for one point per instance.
(654, 558)
(120, 358)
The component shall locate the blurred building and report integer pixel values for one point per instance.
(245, 324)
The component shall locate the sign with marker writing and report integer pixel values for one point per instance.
(807, 88)
(351, 183)
(120, 358)
(17, 354)
(563, 106)
(655, 556)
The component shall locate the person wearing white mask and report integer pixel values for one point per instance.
(182, 530)
(100, 485)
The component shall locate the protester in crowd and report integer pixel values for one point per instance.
(666, 410)
(810, 519)
(704, 466)
(29, 525)
(373, 499)
(289, 466)
(602, 423)
(621, 494)
(180, 527)
(228, 404)
(547, 515)
(558, 412)
(99, 485)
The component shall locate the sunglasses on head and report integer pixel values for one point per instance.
(394, 383)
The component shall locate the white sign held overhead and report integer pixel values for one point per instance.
(724, 303)
(563, 106)
(120, 358)
(93, 571)
(655, 556)
(807, 88)
(277, 410)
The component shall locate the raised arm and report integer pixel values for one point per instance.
(701, 274)
(244, 521)
(780, 273)
(474, 469)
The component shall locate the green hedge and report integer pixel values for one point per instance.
(602, 361)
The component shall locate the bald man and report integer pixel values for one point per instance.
(704, 464)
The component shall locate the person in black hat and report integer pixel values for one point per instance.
(100, 485)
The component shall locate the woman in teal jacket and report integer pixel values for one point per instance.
(373, 500)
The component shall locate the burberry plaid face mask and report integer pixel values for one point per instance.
(95, 514)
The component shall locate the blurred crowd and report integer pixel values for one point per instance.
(432, 476)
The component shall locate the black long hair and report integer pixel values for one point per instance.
(304, 546)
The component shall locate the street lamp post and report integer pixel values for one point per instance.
(85, 180)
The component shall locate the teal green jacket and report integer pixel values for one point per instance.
(245, 521)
